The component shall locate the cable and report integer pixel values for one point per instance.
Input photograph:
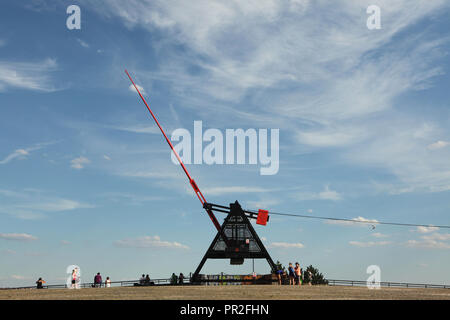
(373, 222)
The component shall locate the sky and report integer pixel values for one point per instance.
(363, 115)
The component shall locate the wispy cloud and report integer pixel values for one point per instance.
(130, 198)
(141, 89)
(326, 194)
(369, 243)
(79, 163)
(359, 221)
(18, 236)
(343, 97)
(19, 277)
(379, 235)
(427, 244)
(438, 145)
(35, 204)
(28, 75)
(287, 245)
(21, 154)
(83, 43)
(431, 240)
(149, 242)
(137, 128)
(422, 229)
(55, 205)
(234, 189)
(9, 251)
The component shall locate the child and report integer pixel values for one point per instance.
(108, 282)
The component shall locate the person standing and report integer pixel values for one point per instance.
(298, 274)
(174, 279)
(310, 277)
(74, 278)
(181, 279)
(279, 274)
(291, 274)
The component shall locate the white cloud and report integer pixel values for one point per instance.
(379, 235)
(438, 145)
(326, 194)
(286, 245)
(153, 129)
(19, 154)
(427, 244)
(431, 241)
(30, 204)
(149, 242)
(79, 163)
(9, 251)
(151, 174)
(83, 43)
(265, 202)
(54, 205)
(234, 189)
(437, 236)
(19, 277)
(133, 89)
(369, 243)
(422, 229)
(27, 75)
(106, 157)
(359, 221)
(344, 97)
(24, 153)
(331, 137)
(18, 236)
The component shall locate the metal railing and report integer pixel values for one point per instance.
(359, 283)
(233, 279)
(124, 283)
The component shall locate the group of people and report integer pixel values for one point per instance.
(174, 279)
(98, 281)
(296, 275)
(145, 281)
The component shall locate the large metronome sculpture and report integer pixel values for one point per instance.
(241, 242)
(236, 238)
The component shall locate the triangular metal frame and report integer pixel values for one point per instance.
(234, 249)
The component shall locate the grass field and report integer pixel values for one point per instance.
(263, 292)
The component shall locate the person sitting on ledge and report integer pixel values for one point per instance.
(39, 284)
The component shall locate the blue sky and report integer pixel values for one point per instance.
(86, 179)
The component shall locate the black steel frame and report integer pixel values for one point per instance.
(234, 210)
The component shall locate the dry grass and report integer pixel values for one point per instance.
(260, 292)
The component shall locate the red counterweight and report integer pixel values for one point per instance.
(263, 217)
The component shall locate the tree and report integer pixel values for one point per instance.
(317, 277)
(279, 266)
